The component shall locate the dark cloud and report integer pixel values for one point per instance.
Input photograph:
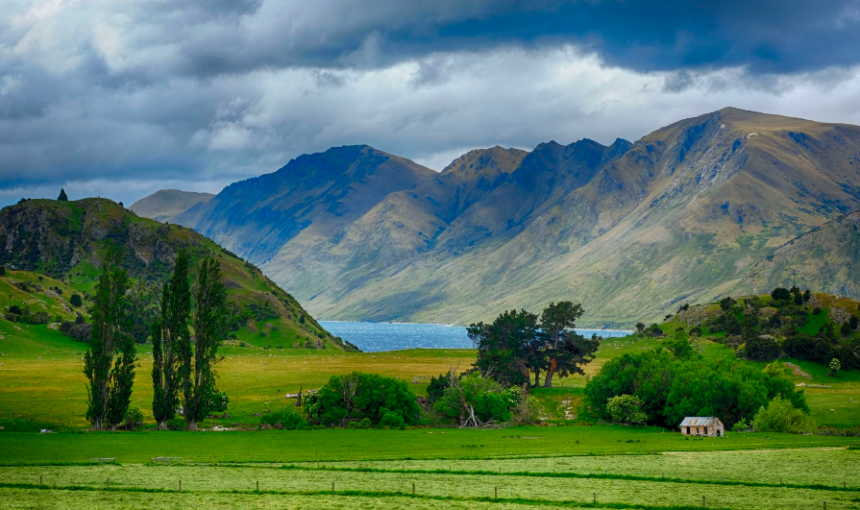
(197, 93)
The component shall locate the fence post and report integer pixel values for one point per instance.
(258, 486)
(108, 483)
(703, 501)
(413, 488)
(180, 485)
(497, 493)
(40, 479)
(594, 495)
(332, 486)
(825, 505)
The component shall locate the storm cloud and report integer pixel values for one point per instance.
(123, 98)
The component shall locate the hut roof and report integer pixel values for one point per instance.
(696, 421)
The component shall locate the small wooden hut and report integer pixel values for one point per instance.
(699, 426)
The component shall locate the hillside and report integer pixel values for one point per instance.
(52, 250)
(632, 229)
(163, 205)
(304, 202)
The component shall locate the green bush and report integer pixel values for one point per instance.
(626, 409)
(346, 398)
(762, 348)
(75, 300)
(392, 420)
(133, 418)
(286, 419)
(781, 416)
(177, 423)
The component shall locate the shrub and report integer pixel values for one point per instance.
(133, 417)
(483, 396)
(286, 419)
(2, 271)
(626, 409)
(75, 300)
(727, 303)
(781, 416)
(762, 348)
(392, 420)
(346, 398)
(780, 294)
(741, 426)
(176, 423)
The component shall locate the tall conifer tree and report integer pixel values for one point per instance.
(110, 384)
(170, 333)
(200, 356)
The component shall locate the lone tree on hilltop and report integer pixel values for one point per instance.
(170, 332)
(110, 383)
(63, 197)
(200, 356)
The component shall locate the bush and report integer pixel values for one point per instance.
(346, 398)
(781, 416)
(741, 426)
(363, 424)
(780, 294)
(176, 423)
(2, 271)
(392, 420)
(762, 348)
(727, 303)
(626, 409)
(286, 419)
(75, 300)
(483, 396)
(133, 418)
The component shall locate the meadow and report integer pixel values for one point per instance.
(570, 462)
(799, 478)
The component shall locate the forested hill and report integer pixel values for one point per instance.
(65, 241)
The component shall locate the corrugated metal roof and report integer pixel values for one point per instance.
(696, 421)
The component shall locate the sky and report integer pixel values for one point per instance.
(121, 98)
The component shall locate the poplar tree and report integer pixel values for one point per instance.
(170, 332)
(110, 384)
(200, 356)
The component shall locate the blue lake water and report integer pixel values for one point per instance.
(386, 336)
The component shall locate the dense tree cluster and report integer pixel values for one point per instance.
(671, 387)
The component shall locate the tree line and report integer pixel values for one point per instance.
(183, 363)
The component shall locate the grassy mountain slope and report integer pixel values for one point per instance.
(681, 215)
(303, 202)
(826, 257)
(59, 245)
(678, 217)
(163, 205)
(401, 255)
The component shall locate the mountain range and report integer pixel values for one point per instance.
(729, 202)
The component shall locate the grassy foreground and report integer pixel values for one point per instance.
(799, 479)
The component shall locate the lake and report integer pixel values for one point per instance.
(388, 336)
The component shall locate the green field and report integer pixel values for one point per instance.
(775, 477)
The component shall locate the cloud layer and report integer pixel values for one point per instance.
(123, 98)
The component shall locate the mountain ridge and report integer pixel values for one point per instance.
(630, 228)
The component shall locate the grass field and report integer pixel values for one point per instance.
(799, 478)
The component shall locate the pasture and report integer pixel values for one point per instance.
(795, 479)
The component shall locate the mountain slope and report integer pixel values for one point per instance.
(304, 202)
(827, 257)
(163, 205)
(629, 229)
(65, 241)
